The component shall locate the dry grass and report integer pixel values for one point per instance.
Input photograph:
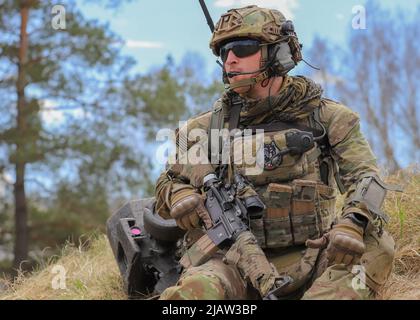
(92, 272)
(404, 210)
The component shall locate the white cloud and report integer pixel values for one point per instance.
(143, 44)
(286, 7)
(49, 116)
(53, 118)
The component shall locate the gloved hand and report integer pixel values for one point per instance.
(344, 242)
(188, 210)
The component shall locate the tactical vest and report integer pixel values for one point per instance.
(298, 191)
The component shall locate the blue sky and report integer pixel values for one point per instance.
(154, 29)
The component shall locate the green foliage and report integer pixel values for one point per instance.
(94, 154)
(75, 210)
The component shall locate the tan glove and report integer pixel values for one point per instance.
(188, 209)
(344, 243)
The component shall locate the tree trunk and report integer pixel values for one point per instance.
(21, 218)
(21, 210)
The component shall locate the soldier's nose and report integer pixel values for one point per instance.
(231, 58)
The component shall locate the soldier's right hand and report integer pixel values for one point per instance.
(188, 209)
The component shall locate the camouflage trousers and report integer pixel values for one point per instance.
(314, 279)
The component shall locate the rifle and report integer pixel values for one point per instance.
(230, 218)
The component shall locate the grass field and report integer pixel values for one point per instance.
(92, 273)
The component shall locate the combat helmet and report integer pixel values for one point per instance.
(281, 50)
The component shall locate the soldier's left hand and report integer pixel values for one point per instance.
(344, 243)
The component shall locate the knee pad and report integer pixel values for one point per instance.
(378, 260)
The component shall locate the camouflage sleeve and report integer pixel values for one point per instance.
(190, 163)
(350, 150)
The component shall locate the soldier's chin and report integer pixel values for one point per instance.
(242, 89)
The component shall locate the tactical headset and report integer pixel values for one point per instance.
(277, 58)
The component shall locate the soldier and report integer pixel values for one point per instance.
(348, 256)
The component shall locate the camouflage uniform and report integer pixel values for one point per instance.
(300, 205)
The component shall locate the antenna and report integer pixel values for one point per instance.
(207, 14)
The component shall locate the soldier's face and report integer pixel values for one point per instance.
(249, 63)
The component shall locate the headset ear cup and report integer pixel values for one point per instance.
(272, 50)
(288, 29)
(283, 61)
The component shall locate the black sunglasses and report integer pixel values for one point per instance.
(241, 48)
